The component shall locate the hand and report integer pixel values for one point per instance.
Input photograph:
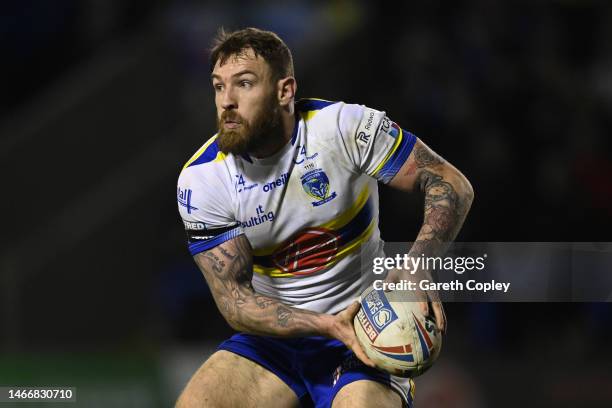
(438, 310)
(425, 297)
(342, 329)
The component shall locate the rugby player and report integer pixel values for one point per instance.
(281, 213)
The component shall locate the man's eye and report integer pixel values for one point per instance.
(245, 84)
(218, 87)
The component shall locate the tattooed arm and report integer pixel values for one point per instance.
(448, 197)
(228, 269)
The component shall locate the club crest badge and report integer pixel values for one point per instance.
(316, 184)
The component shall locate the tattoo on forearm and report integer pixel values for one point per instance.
(263, 302)
(216, 264)
(226, 253)
(425, 157)
(283, 315)
(229, 270)
(445, 211)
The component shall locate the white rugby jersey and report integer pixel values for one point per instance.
(310, 211)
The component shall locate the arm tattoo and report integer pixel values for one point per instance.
(263, 302)
(228, 269)
(283, 314)
(425, 157)
(445, 210)
(216, 264)
(226, 253)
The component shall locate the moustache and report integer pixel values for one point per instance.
(231, 116)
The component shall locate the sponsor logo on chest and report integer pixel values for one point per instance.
(261, 216)
(184, 199)
(279, 182)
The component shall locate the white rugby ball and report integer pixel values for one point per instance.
(395, 335)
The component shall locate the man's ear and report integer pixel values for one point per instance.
(286, 88)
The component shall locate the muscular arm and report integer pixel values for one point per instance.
(448, 197)
(228, 269)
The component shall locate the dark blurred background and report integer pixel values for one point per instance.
(102, 102)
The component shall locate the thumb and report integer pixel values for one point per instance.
(352, 310)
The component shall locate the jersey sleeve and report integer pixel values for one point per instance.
(203, 204)
(373, 143)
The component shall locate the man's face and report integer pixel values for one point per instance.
(248, 112)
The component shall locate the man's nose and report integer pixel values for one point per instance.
(228, 100)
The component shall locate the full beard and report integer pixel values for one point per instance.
(264, 132)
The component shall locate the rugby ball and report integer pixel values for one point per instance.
(394, 333)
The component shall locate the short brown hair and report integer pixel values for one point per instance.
(266, 44)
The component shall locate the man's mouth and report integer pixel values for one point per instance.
(231, 124)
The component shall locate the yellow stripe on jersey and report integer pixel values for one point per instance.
(356, 243)
(349, 214)
(310, 113)
(398, 141)
(335, 223)
(271, 272)
(339, 222)
(352, 246)
(219, 157)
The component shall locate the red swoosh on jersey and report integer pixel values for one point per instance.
(307, 253)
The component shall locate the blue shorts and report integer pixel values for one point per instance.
(315, 368)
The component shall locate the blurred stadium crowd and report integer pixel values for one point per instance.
(103, 101)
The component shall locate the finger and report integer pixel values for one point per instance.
(421, 299)
(424, 306)
(352, 310)
(361, 355)
(392, 276)
(438, 310)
